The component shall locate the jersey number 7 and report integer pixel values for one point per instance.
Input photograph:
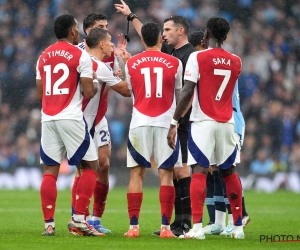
(226, 74)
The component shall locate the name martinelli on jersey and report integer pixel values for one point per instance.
(63, 53)
(152, 59)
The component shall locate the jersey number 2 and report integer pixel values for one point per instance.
(147, 80)
(59, 81)
(226, 74)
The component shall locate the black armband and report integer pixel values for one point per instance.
(131, 16)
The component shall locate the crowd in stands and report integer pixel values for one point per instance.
(265, 34)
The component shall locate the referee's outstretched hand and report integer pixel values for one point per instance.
(123, 8)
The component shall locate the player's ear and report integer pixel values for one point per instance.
(72, 32)
(181, 31)
(142, 40)
(101, 44)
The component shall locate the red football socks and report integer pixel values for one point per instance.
(166, 198)
(100, 196)
(134, 201)
(198, 195)
(74, 188)
(85, 189)
(48, 193)
(234, 195)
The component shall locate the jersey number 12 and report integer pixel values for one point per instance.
(56, 90)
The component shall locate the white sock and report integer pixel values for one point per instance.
(95, 218)
(79, 217)
(131, 226)
(238, 229)
(230, 219)
(167, 227)
(52, 224)
(220, 218)
(88, 218)
(197, 227)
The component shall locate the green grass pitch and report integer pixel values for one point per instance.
(22, 223)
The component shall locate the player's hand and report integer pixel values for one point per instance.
(118, 73)
(106, 89)
(210, 170)
(123, 8)
(122, 42)
(125, 55)
(94, 75)
(171, 137)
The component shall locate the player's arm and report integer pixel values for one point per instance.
(125, 10)
(39, 86)
(184, 100)
(178, 81)
(122, 88)
(87, 76)
(105, 74)
(39, 89)
(191, 78)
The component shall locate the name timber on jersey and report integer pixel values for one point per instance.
(153, 84)
(95, 108)
(213, 66)
(60, 67)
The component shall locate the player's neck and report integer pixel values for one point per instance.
(154, 48)
(97, 53)
(213, 43)
(65, 40)
(181, 43)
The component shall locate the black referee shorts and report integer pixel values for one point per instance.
(182, 132)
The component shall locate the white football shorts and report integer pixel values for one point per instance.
(101, 134)
(208, 139)
(145, 141)
(238, 153)
(69, 137)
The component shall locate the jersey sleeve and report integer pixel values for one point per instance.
(85, 65)
(178, 77)
(38, 74)
(106, 74)
(128, 76)
(192, 70)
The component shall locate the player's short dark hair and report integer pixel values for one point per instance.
(95, 36)
(219, 27)
(150, 33)
(62, 25)
(196, 37)
(91, 19)
(179, 20)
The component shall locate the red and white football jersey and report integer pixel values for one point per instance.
(153, 77)
(60, 68)
(95, 108)
(215, 71)
(110, 61)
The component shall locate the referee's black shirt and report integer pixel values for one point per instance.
(182, 54)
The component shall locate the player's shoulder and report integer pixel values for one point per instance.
(104, 66)
(81, 46)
